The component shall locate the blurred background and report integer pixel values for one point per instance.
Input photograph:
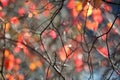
(60, 39)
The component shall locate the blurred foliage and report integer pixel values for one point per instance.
(59, 39)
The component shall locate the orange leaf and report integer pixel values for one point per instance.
(92, 25)
(16, 67)
(32, 66)
(78, 6)
(38, 63)
(7, 28)
(20, 77)
(64, 53)
(9, 77)
(6, 53)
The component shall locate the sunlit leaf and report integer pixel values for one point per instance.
(78, 6)
(32, 66)
(30, 15)
(64, 53)
(88, 9)
(6, 53)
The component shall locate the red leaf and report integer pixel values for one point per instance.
(78, 64)
(2, 14)
(74, 13)
(53, 34)
(9, 62)
(97, 15)
(4, 2)
(17, 49)
(71, 4)
(14, 20)
(32, 7)
(21, 11)
(103, 51)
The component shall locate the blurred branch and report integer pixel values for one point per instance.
(111, 2)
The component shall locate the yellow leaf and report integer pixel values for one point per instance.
(88, 9)
(32, 66)
(78, 6)
(7, 28)
(6, 53)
